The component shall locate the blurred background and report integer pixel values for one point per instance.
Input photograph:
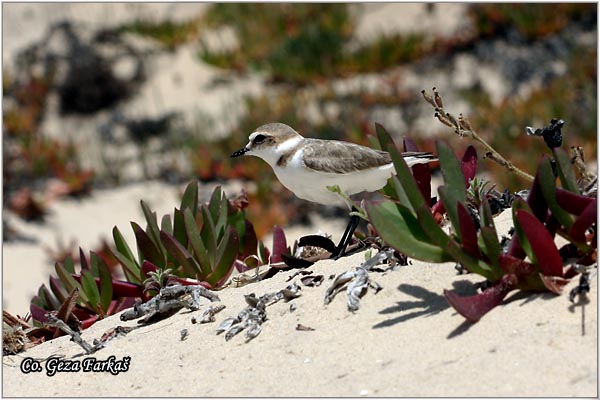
(105, 104)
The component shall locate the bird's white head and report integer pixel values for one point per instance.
(270, 142)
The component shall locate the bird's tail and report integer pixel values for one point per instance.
(418, 157)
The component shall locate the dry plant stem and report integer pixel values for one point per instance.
(494, 155)
(462, 127)
(75, 336)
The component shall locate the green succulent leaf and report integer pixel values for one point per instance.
(166, 225)
(47, 299)
(90, 289)
(69, 265)
(196, 243)
(453, 176)
(131, 268)
(450, 200)
(565, 170)
(70, 283)
(548, 187)
(152, 230)
(399, 228)
(408, 184)
(179, 230)
(147, 248)
(190, 198)
(492, 249)
(214, 204)
(520, 204)
(183, 257)
(227, 254)
(208, 235)
(106, 286)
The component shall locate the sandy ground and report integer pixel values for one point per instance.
(403, 341)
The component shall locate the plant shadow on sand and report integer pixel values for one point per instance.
(427, 303)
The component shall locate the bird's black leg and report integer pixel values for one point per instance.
(347, 236)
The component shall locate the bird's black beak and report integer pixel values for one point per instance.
(240, 152)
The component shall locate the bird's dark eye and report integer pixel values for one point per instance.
(258, 139)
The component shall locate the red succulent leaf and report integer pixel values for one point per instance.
(148, 267)
(422, 176)
(120, 288)
(468, 164)
(584, 221)
(515, 266)
(468, 233)
(571, 202)
(279, 244)
(86, 323)
(38, 313)
(438, 209)
(542, 244)
(475, 307)
(554, 284)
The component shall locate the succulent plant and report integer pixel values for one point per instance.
(200, 244)
(408, 225)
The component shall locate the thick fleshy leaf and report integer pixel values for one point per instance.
(148, 267)
(403, 173)
(69, 282)
(587, 218)
(83, 260)
(106, 286)
(250, 241)
(38, 313)
(125, 256)
(226, 256)
(451, 170)
(208, 235)
(58, 289)
(468, 232)
(47, 298)
(535, 199)
(279, 244)
(214, 204)
(492, 248)
(166, 225)
(179, 226)
(548, 186)
(545, 253)
(69, 265)
(422, 176)
(555, 284)
(519, 245)
(468, 164)
(91, 290)
(263, 252)
(475, 307)
(183, 257)
(190, 198)
(399, 228)
(221, 221)
(152, 229)
(196, 243)
(565, 170)
(571, 202)
(147, 249)
(450, 200)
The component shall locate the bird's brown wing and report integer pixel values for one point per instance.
(341, 157)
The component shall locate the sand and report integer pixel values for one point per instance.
(403, 341)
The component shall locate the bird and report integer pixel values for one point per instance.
(307, 166)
